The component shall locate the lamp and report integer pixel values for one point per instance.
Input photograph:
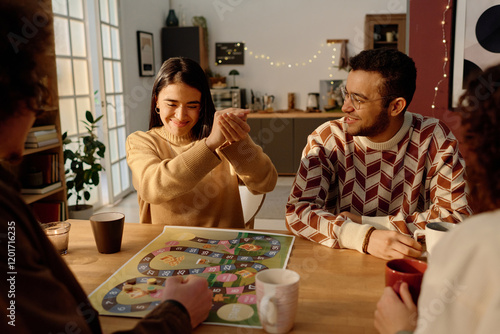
(234, 73)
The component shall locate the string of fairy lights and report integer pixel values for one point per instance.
(446, 59)
(328, 49)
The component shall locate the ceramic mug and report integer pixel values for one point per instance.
(277, 293)
(410, 271)
(433, 232)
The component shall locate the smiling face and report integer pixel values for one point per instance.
(372, 118)
(179, 106)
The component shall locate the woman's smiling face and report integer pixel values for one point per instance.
(179, 106)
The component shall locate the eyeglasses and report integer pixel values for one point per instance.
(356, 100)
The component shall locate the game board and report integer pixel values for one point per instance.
(228, 259)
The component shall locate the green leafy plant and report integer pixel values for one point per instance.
(84, 162)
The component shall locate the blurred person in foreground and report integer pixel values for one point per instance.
(460, 291)
(42, 295)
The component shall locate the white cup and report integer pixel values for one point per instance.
(277, 299)
(433, 232)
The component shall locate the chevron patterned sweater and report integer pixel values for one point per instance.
(414, 178)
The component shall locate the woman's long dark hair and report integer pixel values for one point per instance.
(187, 71)
(480, 111)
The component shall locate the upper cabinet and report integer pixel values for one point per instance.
(385, 30)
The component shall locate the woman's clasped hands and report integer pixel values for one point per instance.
(230, 125)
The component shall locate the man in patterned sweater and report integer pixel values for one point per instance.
(371, 178)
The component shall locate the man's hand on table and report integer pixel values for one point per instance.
(393, 314)
(390, 245)
(193, 293)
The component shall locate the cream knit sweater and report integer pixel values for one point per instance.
(182, 182)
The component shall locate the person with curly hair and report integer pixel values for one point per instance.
(460, 291)
(370, 179)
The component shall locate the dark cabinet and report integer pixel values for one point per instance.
(186, 42)
(385, 31)
(283, 139)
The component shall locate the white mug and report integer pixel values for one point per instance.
(277, 299)
(433, 232)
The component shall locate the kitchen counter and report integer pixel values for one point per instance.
(295, 114)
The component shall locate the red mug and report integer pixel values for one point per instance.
(410, 271)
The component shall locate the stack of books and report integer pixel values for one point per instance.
(45, 167)
(40, 136)
(49, 211)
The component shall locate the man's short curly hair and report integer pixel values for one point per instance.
(23, 38)
(397, 69)
(480, 111)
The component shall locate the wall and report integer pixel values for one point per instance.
(427, 50)
(289, 31)
(149, 16)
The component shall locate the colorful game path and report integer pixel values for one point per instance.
(228, 259)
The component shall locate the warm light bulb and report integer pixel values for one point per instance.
(446, 59)
(444, 41)
(433, 106)
(250, 53)
(289, 65)
(442, 22)
(444, 75)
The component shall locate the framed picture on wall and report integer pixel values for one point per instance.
(146, 54)
(476, 41)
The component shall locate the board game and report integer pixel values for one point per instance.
(228, 259)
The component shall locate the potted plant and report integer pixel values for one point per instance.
(84, 167)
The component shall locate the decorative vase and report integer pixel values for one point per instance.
(172, 20)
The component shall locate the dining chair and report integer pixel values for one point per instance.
(251, 205)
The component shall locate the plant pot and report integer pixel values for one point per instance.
(84, 211)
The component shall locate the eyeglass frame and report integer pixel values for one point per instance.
(345, 94)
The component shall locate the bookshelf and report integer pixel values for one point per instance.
(50, 116)
(385, 31)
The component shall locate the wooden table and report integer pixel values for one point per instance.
(338, 290)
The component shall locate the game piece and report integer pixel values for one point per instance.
(131, 281)
(127, 287)
(151, 288)
(151, 281)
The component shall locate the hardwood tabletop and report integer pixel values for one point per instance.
(338, 292)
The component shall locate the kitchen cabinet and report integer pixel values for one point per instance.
(186, 42)
(385, 30)
(284, 136)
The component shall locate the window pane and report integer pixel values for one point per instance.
(104, 10)
(113, 146)
(121, 142)
(120, 110)
(117, 73)
(78, 39)
(115, 43)
(59, 7)
(82, 105)
(110, 108)
(106, 41)
(81, 77)
(68, 116)
(61, 35)
(75, 8)
(64, 77)
(115, 175)
(125, 174)
(113, 13)
(108, 76)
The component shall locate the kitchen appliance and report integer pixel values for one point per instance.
(228, 98)
(268, 102)
(312, 102)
